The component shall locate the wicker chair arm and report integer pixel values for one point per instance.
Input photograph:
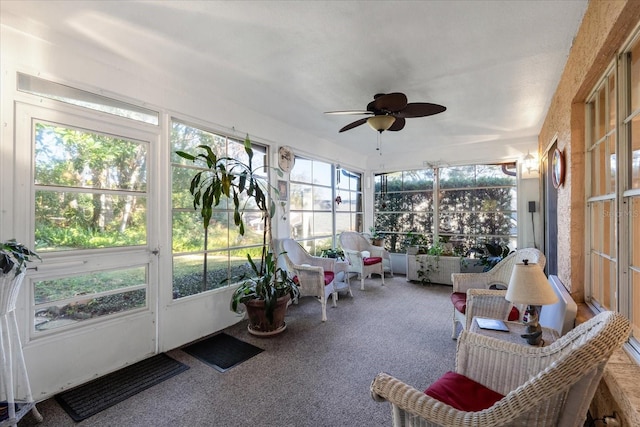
(462, 282)
(486, 303)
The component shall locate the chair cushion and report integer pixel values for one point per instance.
(371, 260)
(462, 393)
(459, 300)
(328, 277)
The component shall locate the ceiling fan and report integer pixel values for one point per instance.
(389, 111)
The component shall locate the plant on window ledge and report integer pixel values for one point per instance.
(265, 293)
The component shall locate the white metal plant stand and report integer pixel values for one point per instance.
(15, 392)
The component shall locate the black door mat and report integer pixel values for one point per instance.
(99, 394)
(222, 352)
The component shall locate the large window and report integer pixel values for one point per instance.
(475, 204)
(613, 189)
(325, 200)
(205, 259)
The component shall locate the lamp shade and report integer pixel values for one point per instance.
(529, 285)
(381, 123)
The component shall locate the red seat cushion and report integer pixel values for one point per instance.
(459, 300)
(462, 393)
(371, 260)
(328, 277)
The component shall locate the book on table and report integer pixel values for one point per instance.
(493, 324)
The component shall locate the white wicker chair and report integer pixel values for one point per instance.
(353, 245)
(542, 386)
(310, 273)
(481, 299)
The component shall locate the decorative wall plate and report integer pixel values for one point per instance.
(286, 158)
(557, 168)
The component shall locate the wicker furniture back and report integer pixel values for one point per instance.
(542, 386)
(310, 273)
(353, 245)
(488, 302)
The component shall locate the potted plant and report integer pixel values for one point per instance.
(376, 238)
(414, 242)
(15, 256)
(266, 292)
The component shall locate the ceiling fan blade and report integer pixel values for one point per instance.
(354, 124)
(347, 112)
(398, 124)
(420, 109)
(390, 102)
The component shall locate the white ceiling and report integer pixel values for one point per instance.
(493, 64)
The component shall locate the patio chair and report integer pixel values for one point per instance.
(363, 257)
(482, 294)
(314, 275)
(497, 383)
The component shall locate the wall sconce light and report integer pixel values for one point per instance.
(530, 167)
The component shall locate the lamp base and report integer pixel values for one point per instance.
(533, 334)
(534, 330)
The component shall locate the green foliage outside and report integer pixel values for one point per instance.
(476, 205)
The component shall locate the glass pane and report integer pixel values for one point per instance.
(635, 306)
(70, 95)
(48, 291)
(322, 224)
(300, 197)
(611, 81)
(73, 299)
(347, 180)
(76, 158)
(608, 233)
(635, 232)
(322, 199)
(601, 113)
(66, 220)
(591, 111)
(187, 232)
(322, 173)
(608, 283)
(635, 77)
(635, 152)
(596, 279)
(611, 165)
(597, 221)
(301, 171)
(187, 138)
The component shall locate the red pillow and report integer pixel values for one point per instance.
(462, 393)
(371, 260)
(328, 277)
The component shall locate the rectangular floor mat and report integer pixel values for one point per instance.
(222, 351)
(99, 394)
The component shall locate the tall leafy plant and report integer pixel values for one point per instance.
(15, 255)
(232, 178)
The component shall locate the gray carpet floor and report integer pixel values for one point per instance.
(313, 374)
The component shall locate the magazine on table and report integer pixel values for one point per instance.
(493, 324)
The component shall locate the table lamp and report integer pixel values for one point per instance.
(528, 285)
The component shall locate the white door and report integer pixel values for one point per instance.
(83, 197)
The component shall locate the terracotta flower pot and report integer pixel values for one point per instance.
(258, 322)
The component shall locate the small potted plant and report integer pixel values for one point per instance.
(15, 256)
(266, 293)
(415, 242)
(377, 239)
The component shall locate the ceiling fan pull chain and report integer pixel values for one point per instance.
(379, 148)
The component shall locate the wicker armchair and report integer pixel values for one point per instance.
(542, 386)
(475, 294)
(314, 275)
(363, 257)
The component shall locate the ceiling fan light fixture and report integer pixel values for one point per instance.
(381, 123)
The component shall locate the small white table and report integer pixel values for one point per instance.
(513, 335)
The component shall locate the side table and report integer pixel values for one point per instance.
(515, 330)
(341, 280)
